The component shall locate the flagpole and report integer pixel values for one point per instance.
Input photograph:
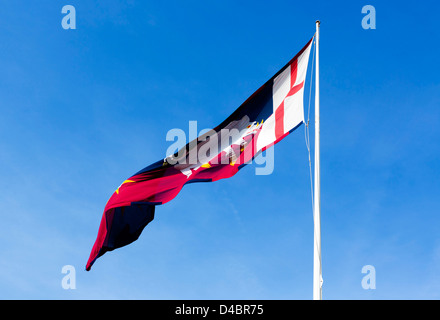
(317, 265)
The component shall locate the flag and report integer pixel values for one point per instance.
(265, 118)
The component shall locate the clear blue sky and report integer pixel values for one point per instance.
(82, 110)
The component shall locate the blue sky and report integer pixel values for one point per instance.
(82, 110)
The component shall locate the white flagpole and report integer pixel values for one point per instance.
(317, 266)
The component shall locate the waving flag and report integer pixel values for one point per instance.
(266, 117)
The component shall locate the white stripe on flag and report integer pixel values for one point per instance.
(281, 87)
(288, 101)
